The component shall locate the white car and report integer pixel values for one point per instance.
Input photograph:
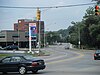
(66, 47)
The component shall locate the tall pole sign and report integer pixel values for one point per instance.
(32, 34)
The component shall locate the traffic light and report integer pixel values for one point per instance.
(38, 14)
(97, 10)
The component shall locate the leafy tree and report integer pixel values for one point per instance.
(52, 37)
(86, 31)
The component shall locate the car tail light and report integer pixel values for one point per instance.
(95, 55)
(34, 64)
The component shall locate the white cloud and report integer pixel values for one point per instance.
(60, 3)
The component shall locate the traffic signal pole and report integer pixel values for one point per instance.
(39, 33)
(39, 38)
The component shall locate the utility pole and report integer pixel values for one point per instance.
(18, 33)
(44, 37)
(79, 37)
(39, 33)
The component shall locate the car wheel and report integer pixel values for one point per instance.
(22, 70)
(4, 72)
(95, 58)
(35, 71)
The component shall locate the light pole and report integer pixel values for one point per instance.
(18, 37)
(18, 33)
(39, 38)
(79, 37)
(44, 38)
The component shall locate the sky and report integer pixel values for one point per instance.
(54, 18)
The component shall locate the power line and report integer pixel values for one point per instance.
(47, 7)
(75, 5)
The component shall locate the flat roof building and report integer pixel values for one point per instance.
(8, 37)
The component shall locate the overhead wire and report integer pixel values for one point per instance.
(48, 6)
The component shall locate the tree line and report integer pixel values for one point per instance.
(86, 32)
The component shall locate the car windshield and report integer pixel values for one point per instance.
(98, 51)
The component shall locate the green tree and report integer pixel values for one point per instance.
(52, 37)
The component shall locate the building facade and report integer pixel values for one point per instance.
(9, 37)
(20, 34)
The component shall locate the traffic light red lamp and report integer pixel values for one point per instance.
(97, 10)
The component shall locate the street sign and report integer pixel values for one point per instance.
(32, 29)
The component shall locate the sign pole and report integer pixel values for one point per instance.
(32, 34)
(30, 47)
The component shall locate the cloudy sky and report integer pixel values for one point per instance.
(54, 18)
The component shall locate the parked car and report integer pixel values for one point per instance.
(21, 64)
(66, 47)
(97, 55)
(11, 47)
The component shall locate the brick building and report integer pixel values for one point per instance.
(23, 25)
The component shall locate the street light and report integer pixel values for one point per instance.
(44, 38)
(79, 42)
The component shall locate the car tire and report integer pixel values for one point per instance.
(95, 58)
(35, 71)
(22, 70)
(4, 72)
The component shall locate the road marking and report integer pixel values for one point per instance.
(58, 61)
(55, 57)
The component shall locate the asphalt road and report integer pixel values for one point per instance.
(72, 62)
(68, 62)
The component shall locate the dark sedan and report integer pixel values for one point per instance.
(97, 55)
(11, 47)
(21, 64)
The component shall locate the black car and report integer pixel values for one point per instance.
(97, 55)
(21, 64)
(11, 47)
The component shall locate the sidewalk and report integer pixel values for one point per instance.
(11, 51)
(42, 52)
